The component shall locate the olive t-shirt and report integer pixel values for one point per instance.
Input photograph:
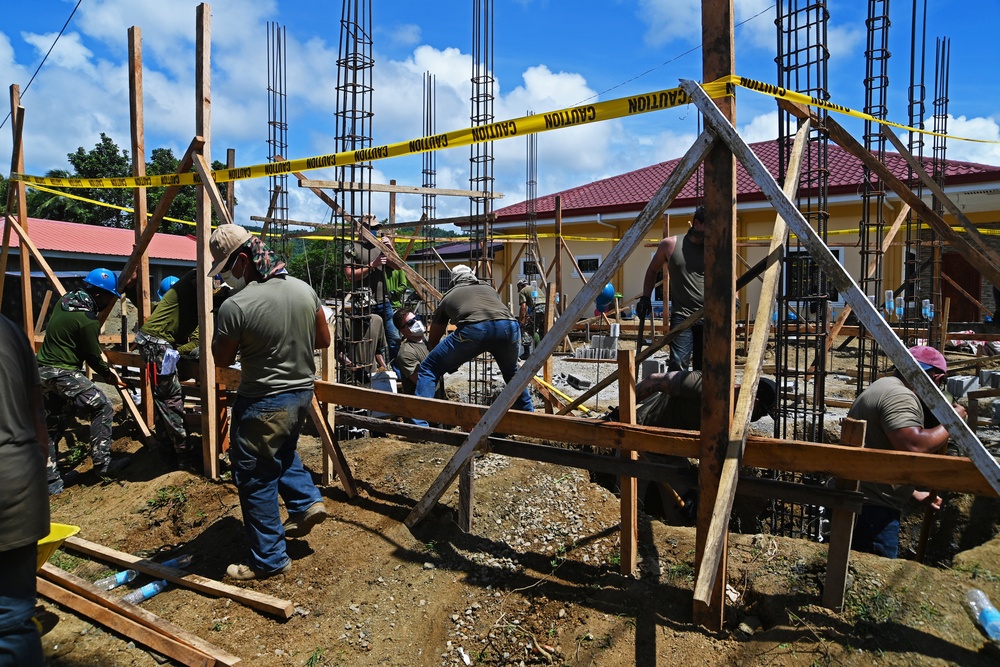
(468, 304)
(275, 323)
(364, 255)
(680, 410)
(409, 357)
(887, 404)
(176, 316)
(686, 266)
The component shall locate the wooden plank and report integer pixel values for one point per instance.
(137, 416)
(43, 310)
(250, 598)
(139, 203)
(950, 473)
(211, 188)
(740, 428)
(616, 257)
(332, 449)
(176, 650)
(26, 242)
(136, 613)
(16, 125)
(890, 343)
(852, 434)
(24, 260)
(231, 186)
(628, 485)
(347, 186)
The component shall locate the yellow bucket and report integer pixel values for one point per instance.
(47, 546)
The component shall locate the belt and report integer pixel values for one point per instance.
(146, 338)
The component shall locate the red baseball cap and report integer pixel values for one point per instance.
(929, 358)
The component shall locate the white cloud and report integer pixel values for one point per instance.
(760, 128)
(403, 35)
(667, 20)
(986, 129)
(759, 29)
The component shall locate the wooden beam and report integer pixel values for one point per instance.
(16, 124)
(973, 300)
(250, 598)
(332, 449)
(176, 650)
(17, 164)
(27, 243)
(347, 186)
(43, 310)
(947, 473)
(206, 196)
(231, 186)
(918, 380)
(136, 613)
(659, 202)
(628, 485)
(740, 428)
(852, 434)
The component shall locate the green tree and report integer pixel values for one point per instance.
(51, 206)
(104, 160)
(318, 263)
(185, 203)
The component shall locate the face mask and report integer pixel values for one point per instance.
(235, 284)
(417, 328)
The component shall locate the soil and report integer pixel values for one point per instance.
(536, 582)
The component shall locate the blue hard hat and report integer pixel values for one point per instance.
(103, 279)
(165, 285)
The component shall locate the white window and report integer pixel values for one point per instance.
(588, 265)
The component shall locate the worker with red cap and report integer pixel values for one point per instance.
(896, 421)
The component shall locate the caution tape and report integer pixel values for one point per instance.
(554, 120)
(801, 98)
(106, 204)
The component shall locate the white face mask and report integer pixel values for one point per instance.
(235, 284)
(417, 328)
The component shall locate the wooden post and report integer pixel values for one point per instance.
(945, 316)
(17, 164)
(138, 125)
(206, 322)
(392, 203)
(466, 494)
(16, 122)
(550, 307)
(45, 309)
(628, 485)
(852, 434)
(718, 378)
(557, 260)
(328, 373)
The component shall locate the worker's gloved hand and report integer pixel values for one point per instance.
(643, 307)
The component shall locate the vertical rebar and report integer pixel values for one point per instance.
(277, 138)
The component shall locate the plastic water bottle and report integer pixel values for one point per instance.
(115, 580)
(890, 303)
(984, 611)
(900, 308)
(144, 593)
(179, 563)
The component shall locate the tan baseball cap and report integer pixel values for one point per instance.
(224, 242)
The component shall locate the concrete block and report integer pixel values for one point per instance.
(984, 377)
(958, 385)
(577, 382)
(996, 411)
(651, 366)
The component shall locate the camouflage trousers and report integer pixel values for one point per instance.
(168, 398)
(68, 393)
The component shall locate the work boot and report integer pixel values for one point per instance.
(243, 572)
(299, 525)
(113, 465)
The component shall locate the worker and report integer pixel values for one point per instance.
(360, 342)
(72, 338)
(483, 323)
(368, 267)
(526, 299)
(24, 503)
(673, 400)
(684, 257)
(896, 421)
(169, 332)
(274, 322)
(413, 349)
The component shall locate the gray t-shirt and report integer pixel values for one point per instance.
(681, 410)
(468, 304)
(375, 280)
(409, 357)
(24, 498)
(275, 323)
(686, 266)
(887, 405)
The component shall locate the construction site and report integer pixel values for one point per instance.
(564, 536)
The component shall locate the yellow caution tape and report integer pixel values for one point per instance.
(106, 204)
(554, 120)
(800, 98)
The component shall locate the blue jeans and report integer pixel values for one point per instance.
(265, 464)
(876, 531)
(501, 338)
(385, 310)
(20, 643)
(687, 347)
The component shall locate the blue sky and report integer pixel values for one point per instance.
(549, 55)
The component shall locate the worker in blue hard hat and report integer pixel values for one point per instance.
(165, 286)
(168, 333)
(71, 338)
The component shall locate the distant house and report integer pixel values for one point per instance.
(72, 250)
(597, 214)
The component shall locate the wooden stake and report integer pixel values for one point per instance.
(628, 485)
(852, 434)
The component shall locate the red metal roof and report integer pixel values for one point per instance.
(632, 190)
(71, 237)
